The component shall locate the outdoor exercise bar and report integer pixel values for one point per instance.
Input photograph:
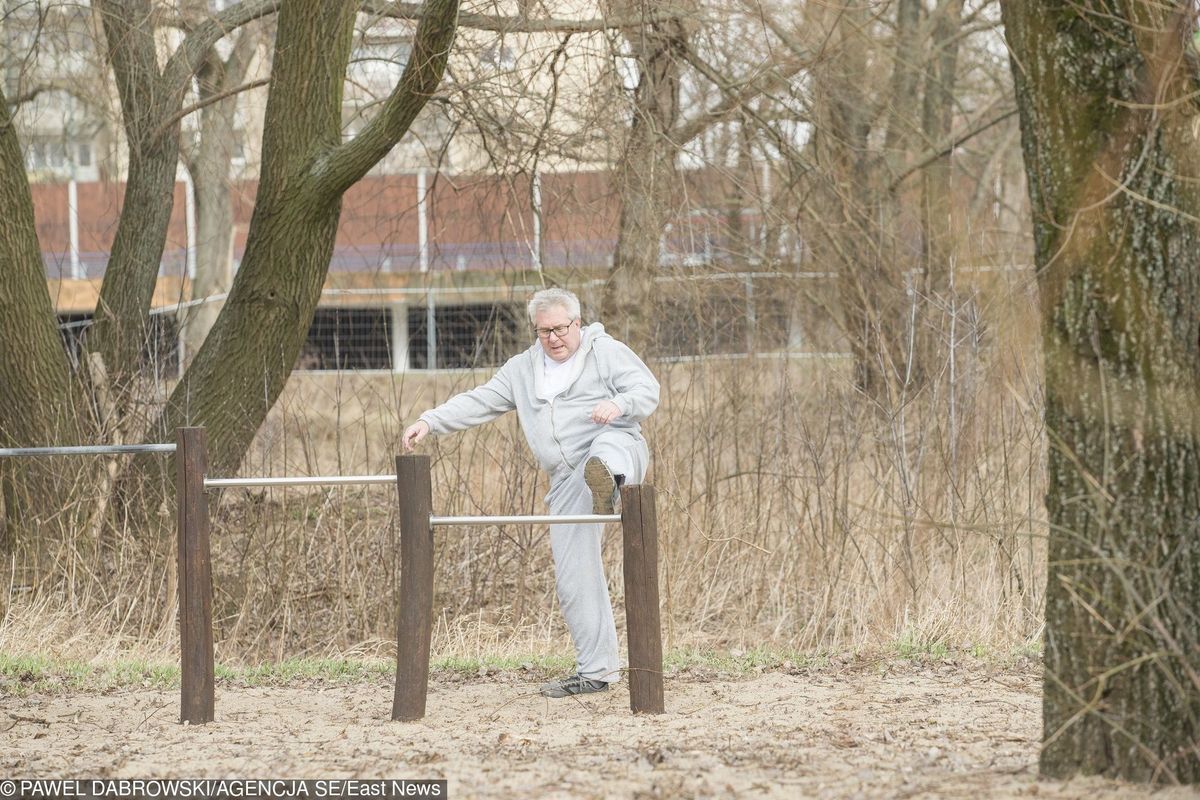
(414, 485)
(314, 480)
(526, 519)
(87, 450)
(414, 626)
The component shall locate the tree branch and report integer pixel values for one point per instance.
(49, 85)
(348, 162)
(208, 101)
(947, 147)
(190, 54)
(736, 97)
(523, 24)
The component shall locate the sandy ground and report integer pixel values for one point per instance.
(853, 730)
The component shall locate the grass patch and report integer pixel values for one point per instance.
(21, 675)
(477, 665)
(331, 670)
(741, 662)
(34, 674)
(911, 646)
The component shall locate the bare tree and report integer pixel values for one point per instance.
(884, 110)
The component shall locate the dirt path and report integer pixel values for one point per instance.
(875, 730)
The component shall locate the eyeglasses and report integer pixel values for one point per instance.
(558, 330)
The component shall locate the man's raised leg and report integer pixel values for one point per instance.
(579, 569)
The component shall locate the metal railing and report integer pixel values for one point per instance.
(303, 480)
(434, 521)
(526, 519)
(87, 450)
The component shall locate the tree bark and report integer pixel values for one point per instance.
(35, 389)
(1106, 100)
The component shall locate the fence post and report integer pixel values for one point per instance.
(195, 577)
(414, 615)
(640, 528)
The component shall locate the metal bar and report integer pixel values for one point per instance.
(526, 519)
(313, 480)
(87, 450)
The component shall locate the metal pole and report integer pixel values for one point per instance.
(87, 450)
(537, 221)
(73, 228)
(422, 224)
(314, 480)
(526, 519)
(399, 312)
(189, 225)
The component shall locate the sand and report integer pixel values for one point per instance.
(858, 728)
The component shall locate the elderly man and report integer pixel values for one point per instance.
(580, 396)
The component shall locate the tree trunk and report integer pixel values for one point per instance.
(35, 389)
(1107, 109)
(646, 181)
(907, 58)
(937, 114)
(36, 398)
(853, 231)
(214, 234)
(121, 325)
(209, 166)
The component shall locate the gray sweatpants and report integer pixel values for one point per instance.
(578, 569)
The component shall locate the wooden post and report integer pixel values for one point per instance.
(640, 529)
(414, 625)
(195, 577)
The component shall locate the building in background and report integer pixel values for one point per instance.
(438, 247)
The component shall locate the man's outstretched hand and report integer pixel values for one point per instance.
(605, 412)
(415, 433)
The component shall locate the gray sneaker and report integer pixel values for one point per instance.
(603, 484)
(573, 684)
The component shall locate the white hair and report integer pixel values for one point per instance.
(545, 299)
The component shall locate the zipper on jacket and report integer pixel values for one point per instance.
(554, 435)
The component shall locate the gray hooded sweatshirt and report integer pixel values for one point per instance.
(559, 430)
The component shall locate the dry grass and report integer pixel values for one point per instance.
(794, 514)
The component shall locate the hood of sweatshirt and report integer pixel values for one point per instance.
(588, 336)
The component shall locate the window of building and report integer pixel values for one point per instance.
(59, 156)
